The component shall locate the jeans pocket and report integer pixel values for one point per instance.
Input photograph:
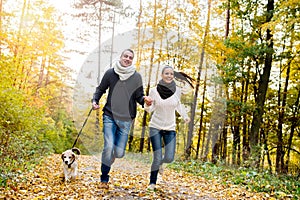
(124, 127)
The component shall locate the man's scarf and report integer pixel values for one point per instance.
(123, 72)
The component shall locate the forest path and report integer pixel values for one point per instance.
(129, 180)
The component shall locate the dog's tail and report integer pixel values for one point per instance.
(76, 150)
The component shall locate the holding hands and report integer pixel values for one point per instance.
(187, 120)
(148, 100)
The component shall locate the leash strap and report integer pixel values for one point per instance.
(82, 127)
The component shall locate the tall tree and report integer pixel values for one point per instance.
(188, 147)
(138, 62)
(262, 86)
(154, 32)
(201, 127)
(286, 59)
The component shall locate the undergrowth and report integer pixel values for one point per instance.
(278, 186)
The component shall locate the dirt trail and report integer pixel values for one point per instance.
(129, 180)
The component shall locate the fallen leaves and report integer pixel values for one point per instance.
(129, 180)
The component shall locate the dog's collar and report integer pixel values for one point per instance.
(69, 165)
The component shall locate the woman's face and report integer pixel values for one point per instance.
(126, 59)
(168, 75)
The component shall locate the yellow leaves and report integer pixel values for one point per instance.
(129, 180)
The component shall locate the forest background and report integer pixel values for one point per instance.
(243, 55)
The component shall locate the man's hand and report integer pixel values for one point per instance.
(95, 106)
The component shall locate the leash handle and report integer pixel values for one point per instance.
(82, 126)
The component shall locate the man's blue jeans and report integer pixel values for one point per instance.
(115, 133)
(169, 140)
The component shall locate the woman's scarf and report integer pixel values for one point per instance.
(165, 90)
(124, 72)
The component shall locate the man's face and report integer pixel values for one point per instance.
(126, 59)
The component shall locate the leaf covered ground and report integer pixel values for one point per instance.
(129, 180)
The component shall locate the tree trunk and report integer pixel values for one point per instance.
(97, 120)
(224, 142)
(207, 142)
(224, 131)
(293, 127)
(295, 108)
(201, 117)
(203, 142)
(281, 118)
(138, 58)
(245, 142)
(262, 89)
(149, 79)
(130, 139)
(280, 151)
(194, 105)
(112, 37)
(266, 149)
(236, 144)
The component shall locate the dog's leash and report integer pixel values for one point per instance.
(82, 127)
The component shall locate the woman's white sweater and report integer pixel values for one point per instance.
(163, 117)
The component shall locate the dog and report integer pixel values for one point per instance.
(70, 164)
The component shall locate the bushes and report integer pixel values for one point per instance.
(20, 128)
(26, 134)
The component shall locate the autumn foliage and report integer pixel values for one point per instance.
(243, 55)
(129, 180)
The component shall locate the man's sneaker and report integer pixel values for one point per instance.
(103, 185)
(151, 187)
(161, 169)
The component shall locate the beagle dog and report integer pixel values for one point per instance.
(70, 164)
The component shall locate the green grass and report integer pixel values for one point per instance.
(283, 186)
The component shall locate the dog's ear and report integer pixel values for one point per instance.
(62, 156)
(76, 150)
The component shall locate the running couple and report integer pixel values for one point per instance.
(125, 87)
